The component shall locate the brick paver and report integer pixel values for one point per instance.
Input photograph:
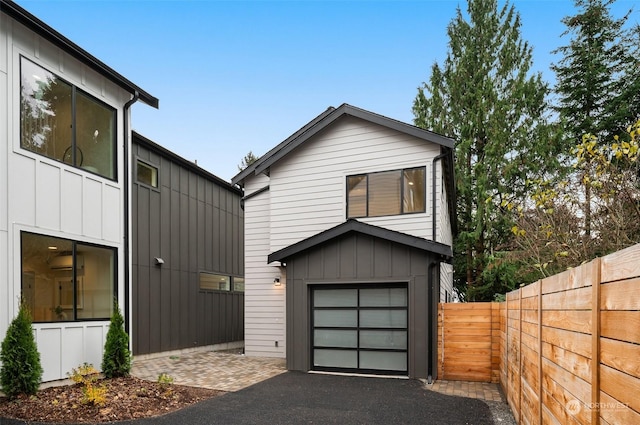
(481, 390)
(210, 369)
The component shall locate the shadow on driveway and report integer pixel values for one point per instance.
(301, 398)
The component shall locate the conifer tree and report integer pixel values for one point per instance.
(21, 370)
(485, 97)
(116, 360)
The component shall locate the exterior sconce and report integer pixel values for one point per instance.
(276, 282)
(158, 261)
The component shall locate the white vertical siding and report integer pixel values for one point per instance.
(264, 302)
(52, 198)
(444, 236)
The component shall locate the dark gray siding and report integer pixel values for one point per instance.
(194, 223)
(358, 258)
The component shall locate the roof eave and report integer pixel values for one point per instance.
(42, 29)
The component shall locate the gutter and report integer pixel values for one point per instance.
(127, 250)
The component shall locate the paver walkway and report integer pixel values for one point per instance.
(210, 369)
(232, 372)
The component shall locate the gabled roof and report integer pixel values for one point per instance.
(355, 226)
(325, 119)
(39, 27)
(172, 156)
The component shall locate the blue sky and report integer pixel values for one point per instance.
(235, 76)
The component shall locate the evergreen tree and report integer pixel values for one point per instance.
(116, 360)
(248, 159)
(598, 81)
(486, 98)
(21, 370)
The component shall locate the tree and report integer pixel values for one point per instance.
(598, 81)
(21, 370)
(550, 237)
(248, 159)
(486, 98)
(116, 360)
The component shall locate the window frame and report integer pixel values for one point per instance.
(401, 171)
(75, 89)
(140, 161)
(78, 280)
(230, 279)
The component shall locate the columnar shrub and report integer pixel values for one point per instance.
(21, 371)
(116, 360)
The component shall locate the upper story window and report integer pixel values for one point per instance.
(147, 174)
(66, 280)
(63, 123)
(386, 193)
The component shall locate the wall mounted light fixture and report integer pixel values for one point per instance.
(158, 261)
(276, 281)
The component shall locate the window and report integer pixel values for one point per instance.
(147, 174)
(218, 282)
(64, 280)
(215, 282)
(386, 193)
(63, 123)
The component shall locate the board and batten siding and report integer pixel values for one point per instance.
(194, 224)
(51, 198)
(264, 302)
(307, 195)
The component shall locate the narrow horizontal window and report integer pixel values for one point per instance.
(216, 282)
(238, 284)
(146, 174)
(386, 193)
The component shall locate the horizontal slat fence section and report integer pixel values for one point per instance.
(465, 342)
(565, 349)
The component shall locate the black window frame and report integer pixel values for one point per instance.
(74, 277)
(232, 286)
(402, 184)
(74, 144)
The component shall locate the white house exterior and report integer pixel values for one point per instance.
(308, 192)
(64, 141)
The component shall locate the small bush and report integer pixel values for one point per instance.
(116, 361)
(21, 371)
(165, 379)
(92, 393)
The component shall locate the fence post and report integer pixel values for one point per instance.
(540, 351)
(596, 273)
(506, 345)
(520, 356)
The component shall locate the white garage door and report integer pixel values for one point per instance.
(360, 329)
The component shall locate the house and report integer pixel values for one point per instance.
(64, 189)
(348, 244)
(187, 255)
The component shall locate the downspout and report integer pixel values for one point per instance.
(127, 170)
(432, 265)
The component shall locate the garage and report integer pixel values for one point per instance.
(360, 329)
(362, 299)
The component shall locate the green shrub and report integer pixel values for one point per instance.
(87, 376)
(116, 360)
(21, 371)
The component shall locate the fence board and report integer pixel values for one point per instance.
(621, 325)
(620, 355)
(621, 295)
(615, 412)
(621, 265)
(620, 386)
(572, 320)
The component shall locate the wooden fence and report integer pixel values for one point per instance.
(569, 345)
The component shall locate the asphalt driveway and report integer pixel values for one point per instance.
(301, 398)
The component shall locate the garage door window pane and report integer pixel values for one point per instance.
(335, 338)
(394, 340)
(335, 298)
(383, 318)
(335, 318)
(383, 297)
(335, 358)
(383, 360)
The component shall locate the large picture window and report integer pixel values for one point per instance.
(64, 280)
(63, 123)
(386, 193)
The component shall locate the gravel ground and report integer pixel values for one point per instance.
(501, 413)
